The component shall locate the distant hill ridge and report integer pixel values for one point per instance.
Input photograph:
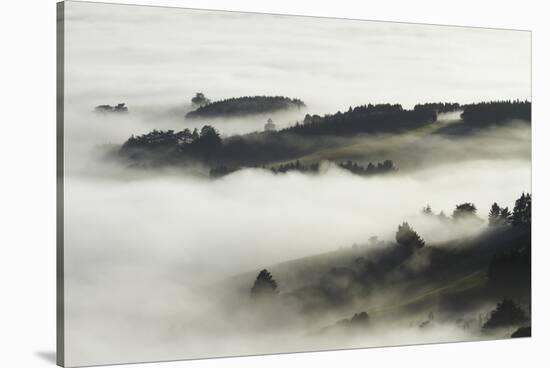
(248, 105)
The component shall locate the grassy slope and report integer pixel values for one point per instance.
(458, 273)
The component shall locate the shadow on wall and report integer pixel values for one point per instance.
(48, 356)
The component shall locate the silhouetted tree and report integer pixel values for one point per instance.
(210, 135)
(522, 211)
(264, 284)
(505, 216)
(195, 135)
(207, 144)
(443, 216)
(507, 313)
(464, 210)
(270, 126)
(119, 108)
(185, 136)
(200, 100)
(427, 210)
(494, 215)
(407, 237)
(360, 318)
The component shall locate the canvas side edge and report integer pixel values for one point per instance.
(60, 264)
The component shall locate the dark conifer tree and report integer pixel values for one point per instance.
(195, 134)
(494, 215)
(464, 210)
(505, 216)
(407, 237)
(264, 284)
(507, 313)
(200, 99)
(427, 210)
(522, 211)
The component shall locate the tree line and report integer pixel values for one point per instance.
(261, 148)
(163, 147)
(496, 112)
(384, 167)
(381, 118)
(240, 106)
(498, 216)
(118, 108)
(438, 107)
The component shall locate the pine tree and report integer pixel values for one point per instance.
(464, 210)
(427, 210)
(407, 237)
(494, 215)
(505, 216)
(522, 211)
(264, 284)
(507, 313)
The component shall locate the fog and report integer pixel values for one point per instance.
(258, 218)
(148, 254)
(137, 251)
(146, 56)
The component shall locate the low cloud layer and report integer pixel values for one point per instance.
(146, 251)
(138, 251)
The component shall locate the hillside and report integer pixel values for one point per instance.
(242, 106)
(454, 278)
(363, 134)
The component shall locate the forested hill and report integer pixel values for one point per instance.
(249, 105)
(455, 279)
(314, 134)
(497, 112)
(381, 118)
(207, 146)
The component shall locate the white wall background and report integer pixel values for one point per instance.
(27, 171)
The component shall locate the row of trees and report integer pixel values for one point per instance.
(462, 211)
(256, 149)
(438, 107)
(208, 136)
(370, 169)
(381, 118)
(203, 145)
(496, 112)
(119, 108)
(240, 106)
(521, 215)
(207, 146)
(295, 166)
(498, 216)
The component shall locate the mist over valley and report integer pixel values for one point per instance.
(314, 184)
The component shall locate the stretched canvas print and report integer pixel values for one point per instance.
(237, 184)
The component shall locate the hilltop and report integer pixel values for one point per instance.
(241, 106)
